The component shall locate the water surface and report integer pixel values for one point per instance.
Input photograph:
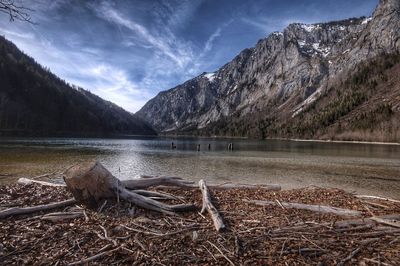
(363, 168)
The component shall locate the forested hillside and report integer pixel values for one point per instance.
(365, 106)
(35, 102)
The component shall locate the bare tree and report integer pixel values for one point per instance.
(15, 11)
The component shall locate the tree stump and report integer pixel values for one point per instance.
(90, 183)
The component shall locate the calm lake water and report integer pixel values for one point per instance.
(363, 168)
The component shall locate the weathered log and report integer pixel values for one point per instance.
(160, 195)
(146, 181)
(377, 198)
(143, 183)
(339, 224)
(90, 183)
(207, 205)
(390, 222)
(27, 181)
(246, 186)
(151, 204)
(314, 208)
(38, 208)
(62, 216)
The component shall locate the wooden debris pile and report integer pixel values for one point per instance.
(311, 226)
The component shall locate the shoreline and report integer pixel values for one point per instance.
(166, 136)
(283, 139)
(346, 141)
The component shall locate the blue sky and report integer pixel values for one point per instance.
(128, 51)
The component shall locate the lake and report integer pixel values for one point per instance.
(364, 168)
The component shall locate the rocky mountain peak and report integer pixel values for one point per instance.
(387, 7)
(283, 73)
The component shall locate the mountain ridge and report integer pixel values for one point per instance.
(284, 73)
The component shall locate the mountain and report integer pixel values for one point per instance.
(326, 80)
(35, 102)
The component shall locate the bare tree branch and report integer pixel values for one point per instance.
(15, 11)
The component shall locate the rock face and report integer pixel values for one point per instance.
(281, 76)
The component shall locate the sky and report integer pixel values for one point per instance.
(128, 51)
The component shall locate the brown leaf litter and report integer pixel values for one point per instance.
(120, 234)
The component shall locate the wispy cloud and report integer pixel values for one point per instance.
(173, 57)
(167, 45)
(217, 33)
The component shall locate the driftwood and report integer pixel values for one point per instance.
(207, 205)
(159, 195)
(377, 198)
(91, 183)
(28, 210)
(95, 257)
(344, 225)
(246, 186)
(149, 181)
(62, 216)
(390, 222)
(146, 181)
(357, 250)
(314, 208)
(27, 181)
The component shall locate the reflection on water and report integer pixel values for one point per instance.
(365, 168)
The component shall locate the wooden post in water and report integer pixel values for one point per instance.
(230, 146)
(209, 146)
(198, 147)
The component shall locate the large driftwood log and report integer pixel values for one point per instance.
(207, 205)
(342, 225)
(90, 183)
(148, 181)
(28, 210)
(314, 208)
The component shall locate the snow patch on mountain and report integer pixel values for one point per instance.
(324, 51)
(210, 76)
(310, 27)
(277, 33)
(301, 43)
(365, 21)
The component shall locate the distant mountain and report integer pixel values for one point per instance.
(336, 80)
(35, 102)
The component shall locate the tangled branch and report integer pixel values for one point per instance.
(15, 11)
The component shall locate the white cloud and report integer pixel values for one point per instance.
(167, 44)
(113, 84)
(15, 34)
(210, 41)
